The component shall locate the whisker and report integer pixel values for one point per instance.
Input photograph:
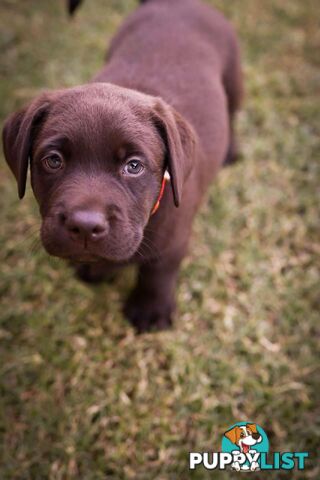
(35, 246)
(148, 251)
(26, 239)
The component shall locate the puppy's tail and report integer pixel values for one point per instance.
(72, 5)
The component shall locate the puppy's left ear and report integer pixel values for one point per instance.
(180, 141)
(17, 135)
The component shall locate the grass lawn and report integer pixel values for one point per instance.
(82, 397)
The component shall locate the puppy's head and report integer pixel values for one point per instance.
(97, 155)
(244, 436)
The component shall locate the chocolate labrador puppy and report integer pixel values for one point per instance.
(119, 166)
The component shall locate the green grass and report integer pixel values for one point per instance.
(81, 396)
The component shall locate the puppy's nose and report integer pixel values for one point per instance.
(256, 436)
(86, 225)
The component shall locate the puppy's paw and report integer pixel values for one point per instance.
(254, 466)
(236, 466)
(147, 316)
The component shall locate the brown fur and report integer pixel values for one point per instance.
(166, 95)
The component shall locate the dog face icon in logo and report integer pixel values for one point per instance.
(244, 436)
(250, 441)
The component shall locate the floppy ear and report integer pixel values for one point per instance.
(232, 434)
(179, 139)
(252, 427)
(18, 132)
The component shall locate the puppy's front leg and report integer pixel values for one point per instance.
(152, 302)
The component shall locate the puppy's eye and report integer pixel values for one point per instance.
(53, 162)
(133, 167)
(242, 435)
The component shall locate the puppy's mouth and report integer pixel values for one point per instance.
(245, 448)
(83, 258)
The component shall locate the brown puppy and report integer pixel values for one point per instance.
(98, 153)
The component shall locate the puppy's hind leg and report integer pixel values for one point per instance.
(233, 85)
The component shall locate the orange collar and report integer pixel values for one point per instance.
(165, 179)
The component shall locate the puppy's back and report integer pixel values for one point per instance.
(181, 50)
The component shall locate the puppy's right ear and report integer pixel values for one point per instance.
(232, 434)
(18, 134)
